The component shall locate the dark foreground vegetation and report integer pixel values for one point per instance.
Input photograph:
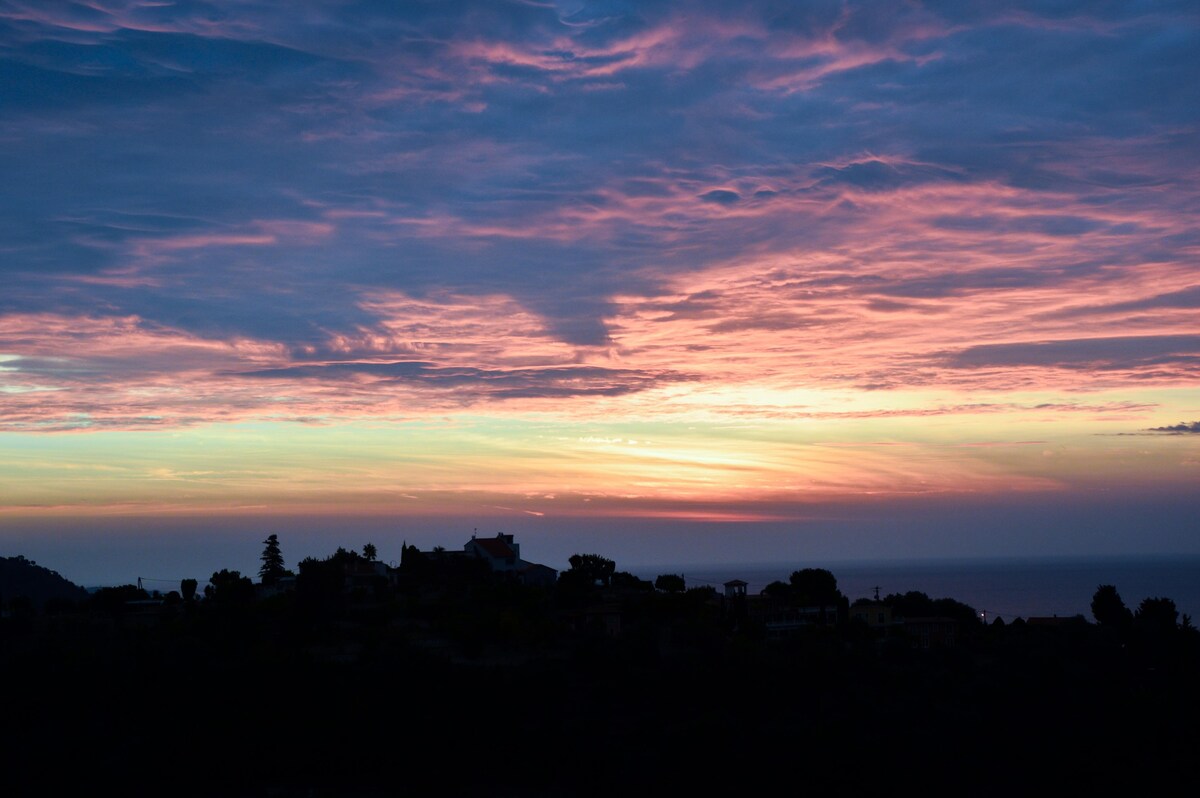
(443, 677)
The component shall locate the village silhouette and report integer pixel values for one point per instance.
(471, 670)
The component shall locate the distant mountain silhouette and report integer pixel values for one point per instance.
(22, 578)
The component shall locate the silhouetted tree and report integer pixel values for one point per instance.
(627, 580)
(369, 551)
(965, 614)
(229, 588)
(413, 561)
(779, 591)
(188, 588)
(320, 582)
(815, 586)
(915, 604)
(670, 583)
(272, 562)
(1108, 609)
(113, 599)
(593, 568)
(1157, 614)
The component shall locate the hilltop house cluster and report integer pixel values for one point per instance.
(503, 555)
(777, 617)
(595, 597)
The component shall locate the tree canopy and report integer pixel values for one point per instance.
(1108, 609)
(915, 604)
(670, 583)
(1157, 614)
(814, 586)
(229, 588)
(593, 568)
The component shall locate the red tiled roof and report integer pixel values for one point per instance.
(494, 547)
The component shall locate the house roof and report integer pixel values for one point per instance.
(533, 566)
(494, 547)
(1051, 621)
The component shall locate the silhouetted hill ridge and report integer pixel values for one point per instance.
(22, 578)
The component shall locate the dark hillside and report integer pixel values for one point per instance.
(440, 677)
(25, 579)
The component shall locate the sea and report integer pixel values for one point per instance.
(1006, 588)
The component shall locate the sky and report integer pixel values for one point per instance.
(668, 281)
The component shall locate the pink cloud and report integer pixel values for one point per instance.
(150, 246)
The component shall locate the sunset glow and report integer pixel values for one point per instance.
(538, 263)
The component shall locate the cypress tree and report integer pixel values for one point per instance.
(272, 562)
